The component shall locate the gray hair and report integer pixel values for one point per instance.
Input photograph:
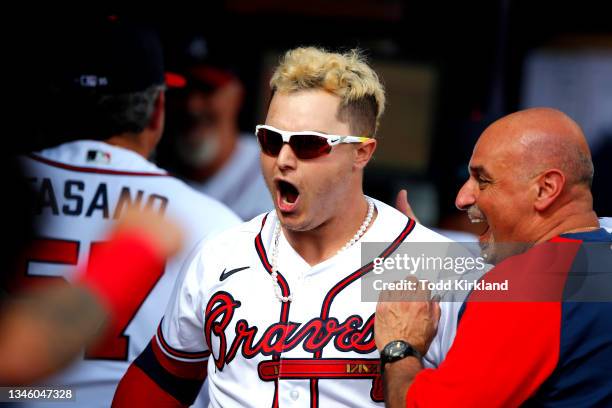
(130, 112)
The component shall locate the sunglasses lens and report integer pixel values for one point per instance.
(270, 141)
(303, 146)
(309, 146)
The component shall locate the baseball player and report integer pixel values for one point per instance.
(270, 311)
(83, 186)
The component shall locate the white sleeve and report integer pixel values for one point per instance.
(179, 346)
(450, 306)
(181, 332)
(447, 328)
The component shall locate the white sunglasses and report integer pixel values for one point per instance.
(306, 144)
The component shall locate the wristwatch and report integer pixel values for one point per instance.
(397, 350)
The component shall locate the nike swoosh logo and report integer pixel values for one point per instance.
(225, 275)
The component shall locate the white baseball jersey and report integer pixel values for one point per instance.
(81, 188)
(316, 351)
(239, 184)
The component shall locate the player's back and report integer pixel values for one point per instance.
(81, 188)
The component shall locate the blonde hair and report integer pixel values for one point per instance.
(345, 75)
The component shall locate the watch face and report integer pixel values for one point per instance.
(395, 349)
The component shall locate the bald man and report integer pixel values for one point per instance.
(529, 185)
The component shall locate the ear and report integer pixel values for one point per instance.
(549, 185)
(156, 123)
(364, 152)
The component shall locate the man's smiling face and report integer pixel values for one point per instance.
(497, 193)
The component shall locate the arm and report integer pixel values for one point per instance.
(505, 347)
(397, 378)
(43, 330)
(410, 316)
(502, 353)
(156, 379)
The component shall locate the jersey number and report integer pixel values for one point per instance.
(115, 344)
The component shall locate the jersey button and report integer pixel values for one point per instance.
(294, 395)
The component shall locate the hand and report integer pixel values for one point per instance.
(409, 315)
(402, 205)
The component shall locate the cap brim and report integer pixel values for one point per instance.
(210, 76)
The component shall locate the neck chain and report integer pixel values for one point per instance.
(274, 252)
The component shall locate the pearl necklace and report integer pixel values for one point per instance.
(274, 254)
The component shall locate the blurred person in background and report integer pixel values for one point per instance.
(204, 145)
(44, 329)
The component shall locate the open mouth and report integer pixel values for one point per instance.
(287, 195)
(485, 229)
(482, 230)
(477, 217)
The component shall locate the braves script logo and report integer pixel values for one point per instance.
(351, 335)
